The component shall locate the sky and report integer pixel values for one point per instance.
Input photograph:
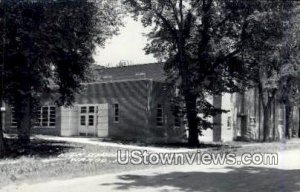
(127, 46)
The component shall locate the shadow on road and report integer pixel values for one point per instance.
(240, 179)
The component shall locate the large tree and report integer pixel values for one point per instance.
(49, 44)
(290, 67)
(275, 52)
(202, 43)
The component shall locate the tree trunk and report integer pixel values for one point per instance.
(288, 117)
(2, 142)
(189, 97)
(299, 131)
(266, 123)
(24, 123)
(275, 122)
(299, 122)
(190, 101)
(267, 98)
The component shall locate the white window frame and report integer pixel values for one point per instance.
(39, 124)
(87, 113)
(12, 118)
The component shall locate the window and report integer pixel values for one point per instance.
(228, 121)
(45, 116)
(37, 115)
(91, 109)
(91, 120)
(252, 121)
(83, 110)
(82, 120)
(177, 120)
(13, 121)
(159, 115)
(52, 116)
(116, 112)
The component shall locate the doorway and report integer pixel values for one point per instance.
(88, 120)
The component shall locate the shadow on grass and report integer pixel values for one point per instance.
(215, 146)
(38, 148)
(235, 179)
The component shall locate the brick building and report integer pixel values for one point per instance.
(244, 120)
(132, 103)
(128, 103)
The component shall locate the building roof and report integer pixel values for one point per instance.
(152, 71)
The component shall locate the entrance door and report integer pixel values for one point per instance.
(88, 120)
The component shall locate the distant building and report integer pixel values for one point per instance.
(244, 120)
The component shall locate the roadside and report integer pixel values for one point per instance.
(282, 177)
(59, 158)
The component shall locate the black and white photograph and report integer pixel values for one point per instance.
(150, 95)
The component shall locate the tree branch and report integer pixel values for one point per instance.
(175, 12)
(228, 56)
(167, 24)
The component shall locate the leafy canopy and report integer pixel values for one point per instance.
(204, 43)
(46, 44)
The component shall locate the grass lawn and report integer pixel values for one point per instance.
(59, 160)
(52, 160)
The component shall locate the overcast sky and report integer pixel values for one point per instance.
(128, 46)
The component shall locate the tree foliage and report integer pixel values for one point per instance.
(48, 45)
(274, 51)
(204, 43)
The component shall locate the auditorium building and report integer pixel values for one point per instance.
(133, 103)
